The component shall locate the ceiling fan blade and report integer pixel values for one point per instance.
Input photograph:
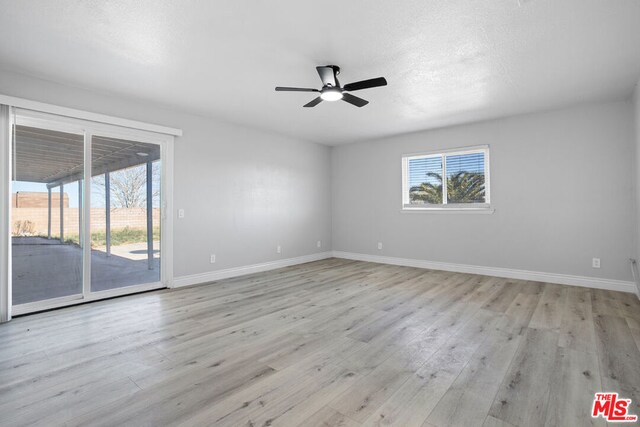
(313, 103)
(366, 84)
(327, 75)
(295, 89)
(354, 100)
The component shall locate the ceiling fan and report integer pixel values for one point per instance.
(331, 89)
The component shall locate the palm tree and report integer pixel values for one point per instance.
(462, 187)
(465, 187)
(428, 192)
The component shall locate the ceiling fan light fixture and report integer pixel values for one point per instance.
(331, 95)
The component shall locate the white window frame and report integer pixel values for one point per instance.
(448, 207)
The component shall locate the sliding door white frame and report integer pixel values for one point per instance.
(31, 105)
(86, 217)
(6, 125)
(89, 129)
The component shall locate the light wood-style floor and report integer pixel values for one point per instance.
(336, 343)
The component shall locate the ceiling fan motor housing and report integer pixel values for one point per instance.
(336, 71)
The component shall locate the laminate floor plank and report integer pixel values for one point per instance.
(619, 358)
(327, 417)
(576, 374)
(523, 397)
(467, 401)
(327, 343)
(518, 315)
(577, 330)
(503, 299)
(413, 401)
(548, 314)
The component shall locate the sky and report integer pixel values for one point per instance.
(35, 187)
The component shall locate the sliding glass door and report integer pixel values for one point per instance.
(46, 214)
(125, 213)
(70, 241)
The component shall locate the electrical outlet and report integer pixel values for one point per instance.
(212, 258)
(180, 213)
(379, 246)
(319, 243)
(595, 263)
(279, 249)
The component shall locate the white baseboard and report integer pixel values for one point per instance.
(562, 279)
(211, 276)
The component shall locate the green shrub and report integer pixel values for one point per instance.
(123, 236)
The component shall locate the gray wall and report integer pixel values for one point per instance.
(244, 191)
(561, 184)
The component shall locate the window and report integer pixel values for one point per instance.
(454, 179)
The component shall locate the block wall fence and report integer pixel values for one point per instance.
(35, 220)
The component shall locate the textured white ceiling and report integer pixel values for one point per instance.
(447, 62)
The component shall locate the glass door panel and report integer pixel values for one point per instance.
(46, 214)
(125, 213)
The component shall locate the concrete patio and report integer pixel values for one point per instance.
(44, 269)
